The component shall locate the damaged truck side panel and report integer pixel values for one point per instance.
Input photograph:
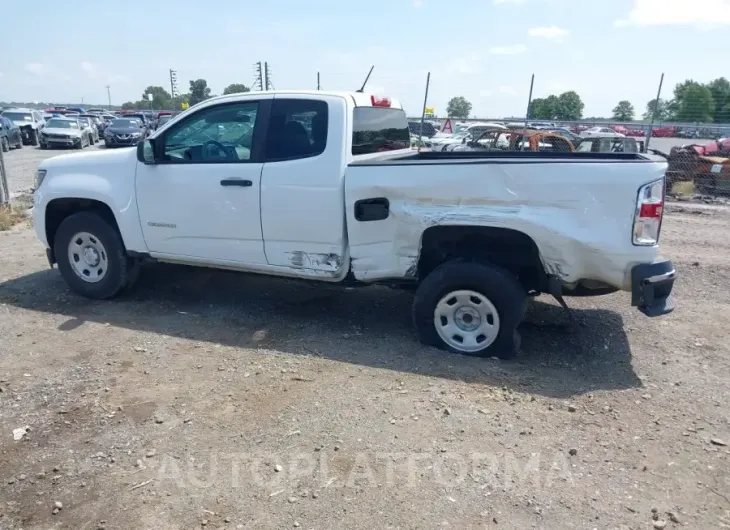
(582, 231)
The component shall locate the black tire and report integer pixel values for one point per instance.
(500, 287)
(19, 145)
(4, 144)
(44, 146)
(34, 136)
(117, 274)
(79, 145)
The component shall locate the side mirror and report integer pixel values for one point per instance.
(146, 152)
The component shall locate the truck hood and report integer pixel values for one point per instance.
(92, 159)
(62, 130)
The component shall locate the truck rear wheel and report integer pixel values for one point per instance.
(470, 308)
(33, 137)
(91, 256)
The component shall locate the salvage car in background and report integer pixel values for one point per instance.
(64, 132)
(609, 144)
(124, 132)
(601, 132)
(10, 135)
(707, 166)
(529, 140)
(88, 125)
(29, 121)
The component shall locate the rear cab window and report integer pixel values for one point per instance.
(379, 128)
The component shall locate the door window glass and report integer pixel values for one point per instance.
(223, 133)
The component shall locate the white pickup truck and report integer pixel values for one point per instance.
(323, 186)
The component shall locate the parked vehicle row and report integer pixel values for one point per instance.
(76, 127)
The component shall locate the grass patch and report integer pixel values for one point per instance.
(684, 188)
(10, 216)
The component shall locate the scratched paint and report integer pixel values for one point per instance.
(325, 262)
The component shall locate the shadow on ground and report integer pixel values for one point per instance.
(365, 326)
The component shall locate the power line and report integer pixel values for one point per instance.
(258, 80)
(174, 91)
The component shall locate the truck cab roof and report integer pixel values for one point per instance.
(361, 99)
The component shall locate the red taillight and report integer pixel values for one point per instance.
(380, 101)
(649, 211)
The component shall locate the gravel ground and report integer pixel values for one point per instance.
(206, 399)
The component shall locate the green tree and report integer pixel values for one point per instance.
(458, 107)
(161, 98)
(236, 88)
(569, 107)
(543, 108)
(662, 110)
(624, 111)
(199, 91)
(720, 90)
(128, 105)
(693, 103)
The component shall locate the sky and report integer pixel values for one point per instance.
(484, 50)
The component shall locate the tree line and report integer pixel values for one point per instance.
(162, 99)
(692, 102)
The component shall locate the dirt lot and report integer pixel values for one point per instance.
(207, 399)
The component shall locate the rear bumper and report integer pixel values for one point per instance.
(651, 287)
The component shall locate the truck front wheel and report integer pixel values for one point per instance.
(91, 257)
(470, 308)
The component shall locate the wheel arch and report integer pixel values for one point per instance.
(510, 249)
(58, 210)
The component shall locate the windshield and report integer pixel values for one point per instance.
(125, 124)
(62, 124)
(18, 116)
(376, 130)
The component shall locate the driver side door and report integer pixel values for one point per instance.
(200, 202)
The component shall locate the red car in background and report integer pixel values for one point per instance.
(664, 132)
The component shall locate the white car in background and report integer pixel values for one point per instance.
(474, 130)
(601, 131)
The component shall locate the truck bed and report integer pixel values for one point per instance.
(578, 208)
(500, 157)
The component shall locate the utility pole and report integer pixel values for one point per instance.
(109, 97)
(318, 86)
(266, 74)
(173, 87)
(258, 80)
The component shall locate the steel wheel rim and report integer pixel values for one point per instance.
(466, 320)
(88, 257)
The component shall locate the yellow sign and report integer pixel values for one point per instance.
(429, 110)
(184, 106)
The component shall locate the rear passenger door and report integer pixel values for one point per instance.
(302, 201)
